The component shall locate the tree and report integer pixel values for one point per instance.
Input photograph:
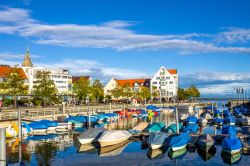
(117, 92)
(193, 92)
(82, 88)
(14, 84)
(127, 91)
(155, 92)
(144, 93)
(44, 87)
(97, 90)
(181, 94)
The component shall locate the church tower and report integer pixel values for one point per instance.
(27, 60)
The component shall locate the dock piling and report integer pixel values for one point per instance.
(2, 146)
(176, 118)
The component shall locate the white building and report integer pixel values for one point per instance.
(61, 77)
(165, 81)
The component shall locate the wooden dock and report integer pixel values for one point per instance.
(245, 144)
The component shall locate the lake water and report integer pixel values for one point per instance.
(63, 150)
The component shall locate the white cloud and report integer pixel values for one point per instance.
(234, 35)
(11, 56)
(114, 34)
(223, 89)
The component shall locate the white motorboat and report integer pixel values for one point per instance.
(112, 137)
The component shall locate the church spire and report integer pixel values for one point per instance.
(27, 60)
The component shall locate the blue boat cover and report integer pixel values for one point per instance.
(237, 111)
(157, 138)
(172, 128)
(25, 125)
(179, 140)
(226, 113)
(152, 107)
(243, 110)
(156, 127)
(192, 128)
(37, 125)
(217, 112)
(49, 123)
(232, 142)
(230, 119)
(82, 119)
(218, 120)
(192, 119)
(228, 129)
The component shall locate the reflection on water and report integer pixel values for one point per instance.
(61, 150)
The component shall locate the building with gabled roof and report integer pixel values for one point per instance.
(165, 82)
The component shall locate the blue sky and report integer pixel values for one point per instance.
(207, 41)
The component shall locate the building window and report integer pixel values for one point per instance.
(167, 78)
(154, 83)
(158, 78)
(171, 82)
(163, 84)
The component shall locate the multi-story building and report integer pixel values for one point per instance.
(134, 84)
(61, 77)
(165, 82)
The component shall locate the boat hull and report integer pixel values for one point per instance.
(205, 145)
(39, 132)
(177, 148)
(232, 152)
(113, 142)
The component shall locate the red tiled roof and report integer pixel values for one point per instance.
(172, 71)
(131, 82)
(5, 71)
(76, 78)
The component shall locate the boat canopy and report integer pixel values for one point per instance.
(218, 120)
(172, 128)
(230, 119)
(232, 142)
(228, 129)
(192, 119)
(156, 127)
(192, 128)
(179, 140)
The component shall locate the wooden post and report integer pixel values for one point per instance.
(176, 119)
(19, 125)
(110, 107)
(3, 146)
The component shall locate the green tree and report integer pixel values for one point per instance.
(82, 88)
(117, 92)
(193, 92)
(144, 93)
(14, 84)
(181, 94)
(44, 87)
(127, 91)
(155, 92)
(97, 90)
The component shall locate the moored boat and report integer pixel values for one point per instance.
(112, 137)
(230, 120)
(91, 135)
(230, 159)
(231, 144)
(139, 128)
(218, 121)
(228, 129)
(191, 120)
(178, 142)
(173, 128)
(156, 127)
(205, 142)
(191, 128)
(157, 140)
